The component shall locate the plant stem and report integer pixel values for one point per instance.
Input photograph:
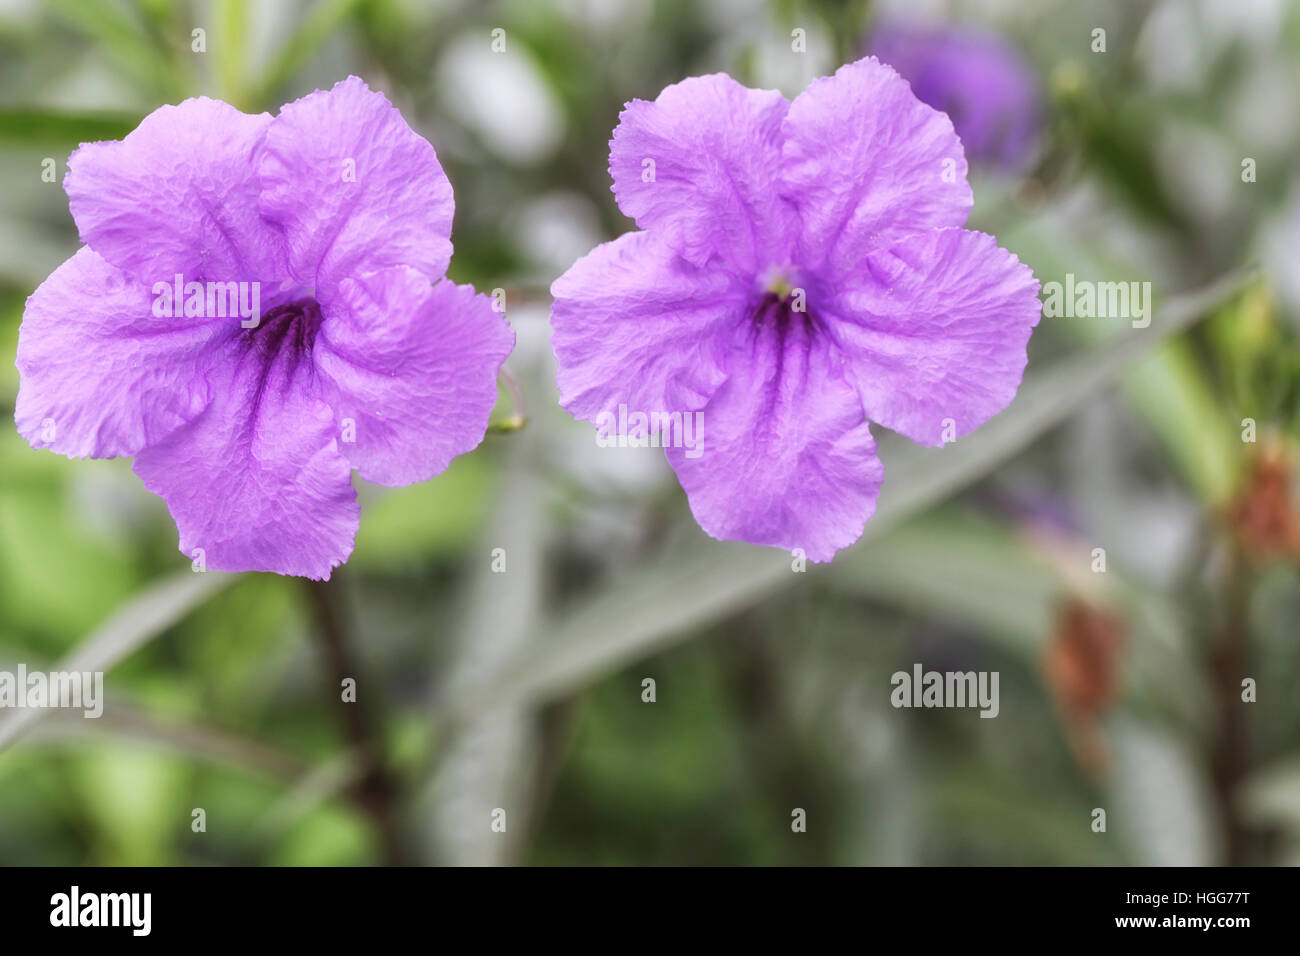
(374, 792)
(1229, 756)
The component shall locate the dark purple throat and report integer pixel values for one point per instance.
(286, 332)
(779, 311)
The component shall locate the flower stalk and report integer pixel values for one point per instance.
(374, 791)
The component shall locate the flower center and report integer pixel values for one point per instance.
(781, 287)
(288, 328)
(783, 282)
(782, 299)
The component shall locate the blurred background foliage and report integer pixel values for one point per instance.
(523, 690)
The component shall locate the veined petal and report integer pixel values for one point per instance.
(867, 163)
(355, 189)
(413, 367)
(700, 165)
(632, 323)
(179, 195)
(786, 457)
(100, 374)
(257, 481)
(934, 329)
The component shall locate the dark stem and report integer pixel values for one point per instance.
(1230, 759)
(777, 756)
(374, 791)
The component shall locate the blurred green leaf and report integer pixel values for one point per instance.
(990, 579)
(1159, 798)
(427, 519)
(232, 20)
(131, 794)
(324, 19)
(329, 837)
(1174, 397)
(184, 740)
(127, 43)
(1271, 795)
(45, 555)
(493, 761)
(143, 618)
(32, 126)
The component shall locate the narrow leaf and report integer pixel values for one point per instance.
(140, 620)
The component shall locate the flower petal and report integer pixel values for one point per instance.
(716, 152)
(935, 329)
(178, 195)
(413, 366)
(866, 163)
(101, 376)
(632, 323)
(787, 457)
(257, 481)
(354, 188)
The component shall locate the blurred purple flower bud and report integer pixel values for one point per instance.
(982, 82)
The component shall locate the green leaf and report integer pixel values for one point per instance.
(127, 792)
(425, 520)
(43, 549)
(331, 836)
(140, 620)
(1174, 396)
(126, 42)
(325, 17)
(232, 20)
(194, 742)
(32, 126)
(964, 568)
(495, 758)
(1271, 795)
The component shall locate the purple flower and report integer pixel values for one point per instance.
(802, 268)
(329, 226)
(981, 82)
